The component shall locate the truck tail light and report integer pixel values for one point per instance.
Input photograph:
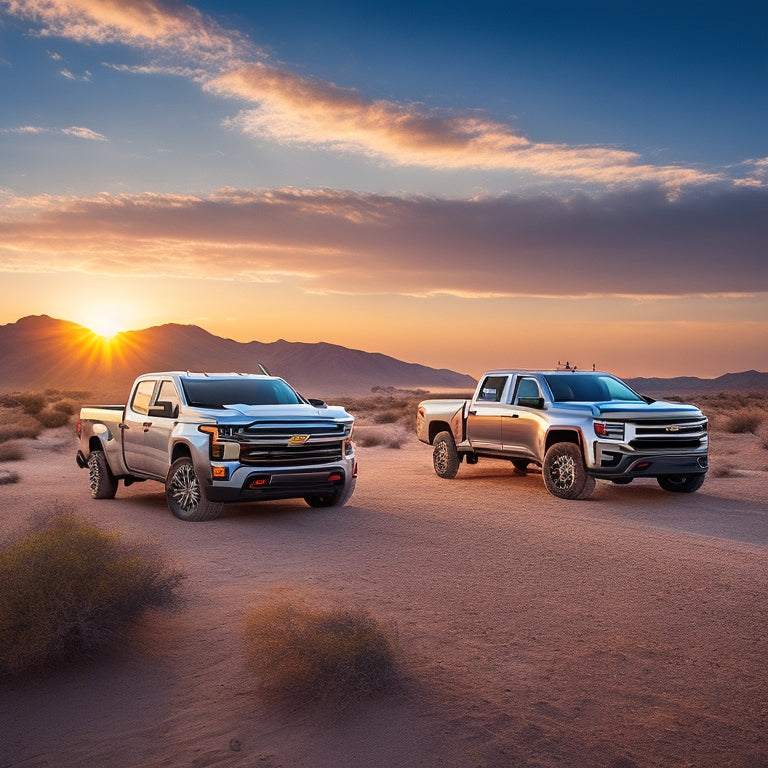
(79, 427)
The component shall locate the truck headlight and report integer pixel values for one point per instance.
(613, 430)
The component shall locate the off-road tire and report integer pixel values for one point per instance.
(681, 483)
(565, 474)
(337, 498)
(445, 458)
(185, 495)
(102, 482)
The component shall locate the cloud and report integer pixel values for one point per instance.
(300, 111)
(76, 131)
(636, 243)
(171, 27)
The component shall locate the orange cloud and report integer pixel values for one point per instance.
(629, 244)
(298, 110)
(174, 27)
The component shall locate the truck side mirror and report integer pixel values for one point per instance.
(317, 403)
(162, 409)
(531, 402)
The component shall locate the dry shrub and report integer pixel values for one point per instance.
(745, 420)
(24, 427)
(725, 471)
(12, 451)
(51, 418)
(304, 654)
(376, 439)
(31, 402)
(68, 587)
(64, 406)
(8, 478)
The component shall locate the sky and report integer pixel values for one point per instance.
(462, 185)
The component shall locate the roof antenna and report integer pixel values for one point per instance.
(263, 369)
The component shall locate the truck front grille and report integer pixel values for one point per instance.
(669, 434)
(299, 455)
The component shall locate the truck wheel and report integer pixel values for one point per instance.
(103, 483)
(445, 458)
(185, 496)
(336, 499)
(681, 483)
(565, 474)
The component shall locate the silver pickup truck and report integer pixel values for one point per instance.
(578, 426)
(216, 438)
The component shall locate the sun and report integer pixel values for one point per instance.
(106, 326)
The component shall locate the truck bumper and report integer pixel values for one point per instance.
(614, 464)
(262, 484)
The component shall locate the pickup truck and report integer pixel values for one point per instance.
(578, 426)
(217, 438)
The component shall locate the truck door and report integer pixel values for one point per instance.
(135, 423)
(484, 418)
(521, 428)
(157, 437)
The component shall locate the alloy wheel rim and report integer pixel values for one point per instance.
(185, 489)
(563, 472)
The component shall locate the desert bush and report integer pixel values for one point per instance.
(24, 427)
(306, 654)
(745, 420)
(51, 418)
(65, 406)
(375, 440)
(68, 587)
(8, 478)
(389, 416)
(724, 471)
(11, 451)
(31, 402)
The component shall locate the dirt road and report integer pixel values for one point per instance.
(626, 630)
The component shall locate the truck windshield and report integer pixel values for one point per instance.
(216, 393)
(589, 388)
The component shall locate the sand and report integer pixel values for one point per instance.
(626, 630)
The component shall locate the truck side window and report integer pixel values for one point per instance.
(168, 394)
(142, 396)
(492, 389)
(527, 388)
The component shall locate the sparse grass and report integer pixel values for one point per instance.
(26, 414)
(375, 440)
(305, 653)
(68, 587)
(25, 427)
(725, 470)
(745, 420)
(51, 418)
(8, 478)
(12, 451)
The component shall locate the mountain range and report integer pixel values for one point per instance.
(40, 352)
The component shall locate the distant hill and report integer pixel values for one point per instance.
(747, 381)
(41, 352)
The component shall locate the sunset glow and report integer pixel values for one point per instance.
(492, 196)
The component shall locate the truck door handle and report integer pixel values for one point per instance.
(473, 412)
(146, 425)
(123, 426)
(515, 415)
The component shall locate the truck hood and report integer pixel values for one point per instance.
(658, 409)
(239, 413)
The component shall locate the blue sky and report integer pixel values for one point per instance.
(414, 179)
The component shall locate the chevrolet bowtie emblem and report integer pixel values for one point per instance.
(298, 439)
(673, 428)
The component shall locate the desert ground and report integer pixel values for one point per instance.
(629, 630)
